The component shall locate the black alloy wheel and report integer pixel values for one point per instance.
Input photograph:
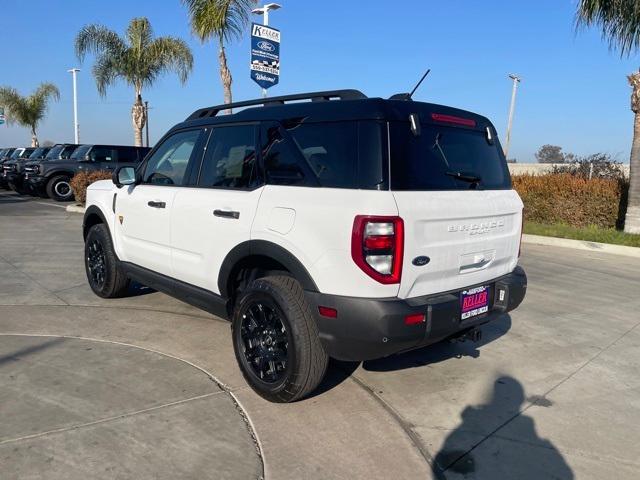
(96, 263)
(264, 341)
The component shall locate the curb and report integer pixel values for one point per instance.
(76, 208)
(582, 245)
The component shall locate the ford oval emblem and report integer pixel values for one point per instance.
(266, 46)
(421, 261)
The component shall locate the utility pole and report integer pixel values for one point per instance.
(516, 81)
(264, 11)
(146, 114)
(76, 127)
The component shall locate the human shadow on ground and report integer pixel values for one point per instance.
(339, 371)
(521, 454)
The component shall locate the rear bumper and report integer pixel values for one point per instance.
(368, 328)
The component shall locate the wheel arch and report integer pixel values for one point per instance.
(93, 216)
(252, 252)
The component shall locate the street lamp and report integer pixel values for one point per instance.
(76, 127)
(264, 11)
(516, 80)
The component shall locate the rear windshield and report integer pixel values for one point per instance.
(445, 158)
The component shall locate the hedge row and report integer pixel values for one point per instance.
(82, 180)
(572, 200)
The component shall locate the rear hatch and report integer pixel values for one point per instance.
(453, 190)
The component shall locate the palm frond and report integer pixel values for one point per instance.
(225, 19)
(619, 21)
(139, 35)
(30, 110)
(97, 39)
(171, 54)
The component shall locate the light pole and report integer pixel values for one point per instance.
(146, 112)
(516, 80)
(264, 11)
(76, 127)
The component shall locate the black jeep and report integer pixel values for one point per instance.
(52, 177)
(14, 169)
(8, 163)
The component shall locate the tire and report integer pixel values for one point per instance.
(264, 303)
(59, 188)
(106, 277)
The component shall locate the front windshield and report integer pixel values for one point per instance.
(38, 153)
(16, 153)
(54, 153)
(80, 152)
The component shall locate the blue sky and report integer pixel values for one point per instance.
(574, 91)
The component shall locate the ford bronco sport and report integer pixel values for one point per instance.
(346, 227)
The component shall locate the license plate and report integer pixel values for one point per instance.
(474, 302)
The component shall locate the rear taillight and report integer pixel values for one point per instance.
(521, 231)
(377, 245)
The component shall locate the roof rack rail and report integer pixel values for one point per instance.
(270, 101)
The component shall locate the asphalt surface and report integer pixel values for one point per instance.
(148, 387)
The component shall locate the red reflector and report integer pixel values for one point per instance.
(467, 122)
(379, 242)
(414, 319)
(328, 312)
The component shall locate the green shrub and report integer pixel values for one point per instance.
(82, 180)
(572, 200)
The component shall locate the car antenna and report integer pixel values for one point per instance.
(407, 96)
(418, 84)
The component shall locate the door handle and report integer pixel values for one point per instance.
(157, 204)
(227, 214)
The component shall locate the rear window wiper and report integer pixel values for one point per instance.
(465, 177)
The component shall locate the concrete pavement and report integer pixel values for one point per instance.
(551, 392)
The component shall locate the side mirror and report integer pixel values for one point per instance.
(124, 176)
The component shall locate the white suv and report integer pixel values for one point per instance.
(346, 227)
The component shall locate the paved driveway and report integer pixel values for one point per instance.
(147, 387)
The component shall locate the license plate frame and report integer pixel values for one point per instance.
(474, 302)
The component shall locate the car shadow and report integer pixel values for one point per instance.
(441, 351)
(338, 371)
(521, 453)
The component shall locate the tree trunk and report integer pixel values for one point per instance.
(225, 76)
(139, 119)
(34, 138)
(632, 218)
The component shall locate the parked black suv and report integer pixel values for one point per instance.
(60, 151)
(7, 164)
(53, 177)
(13, 169)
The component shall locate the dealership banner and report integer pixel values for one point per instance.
(265, 55)
(2, 117)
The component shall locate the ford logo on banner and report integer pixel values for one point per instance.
(265, 55)
(266, 46)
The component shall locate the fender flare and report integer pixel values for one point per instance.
(267, 249)
(91, 211)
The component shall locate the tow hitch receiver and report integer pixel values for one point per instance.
(473, 335)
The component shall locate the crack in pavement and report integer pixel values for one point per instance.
(32, 279)
(108, 419)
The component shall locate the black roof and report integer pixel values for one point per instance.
(338, 105)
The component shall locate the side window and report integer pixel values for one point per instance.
(280, 159)
(168, 164)
(331, 150)
(104, 154)
(127, 154)
(230, 160)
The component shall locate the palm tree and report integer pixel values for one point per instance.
(225, 20)
(619, 21)
(138, 59)
(28, 111)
